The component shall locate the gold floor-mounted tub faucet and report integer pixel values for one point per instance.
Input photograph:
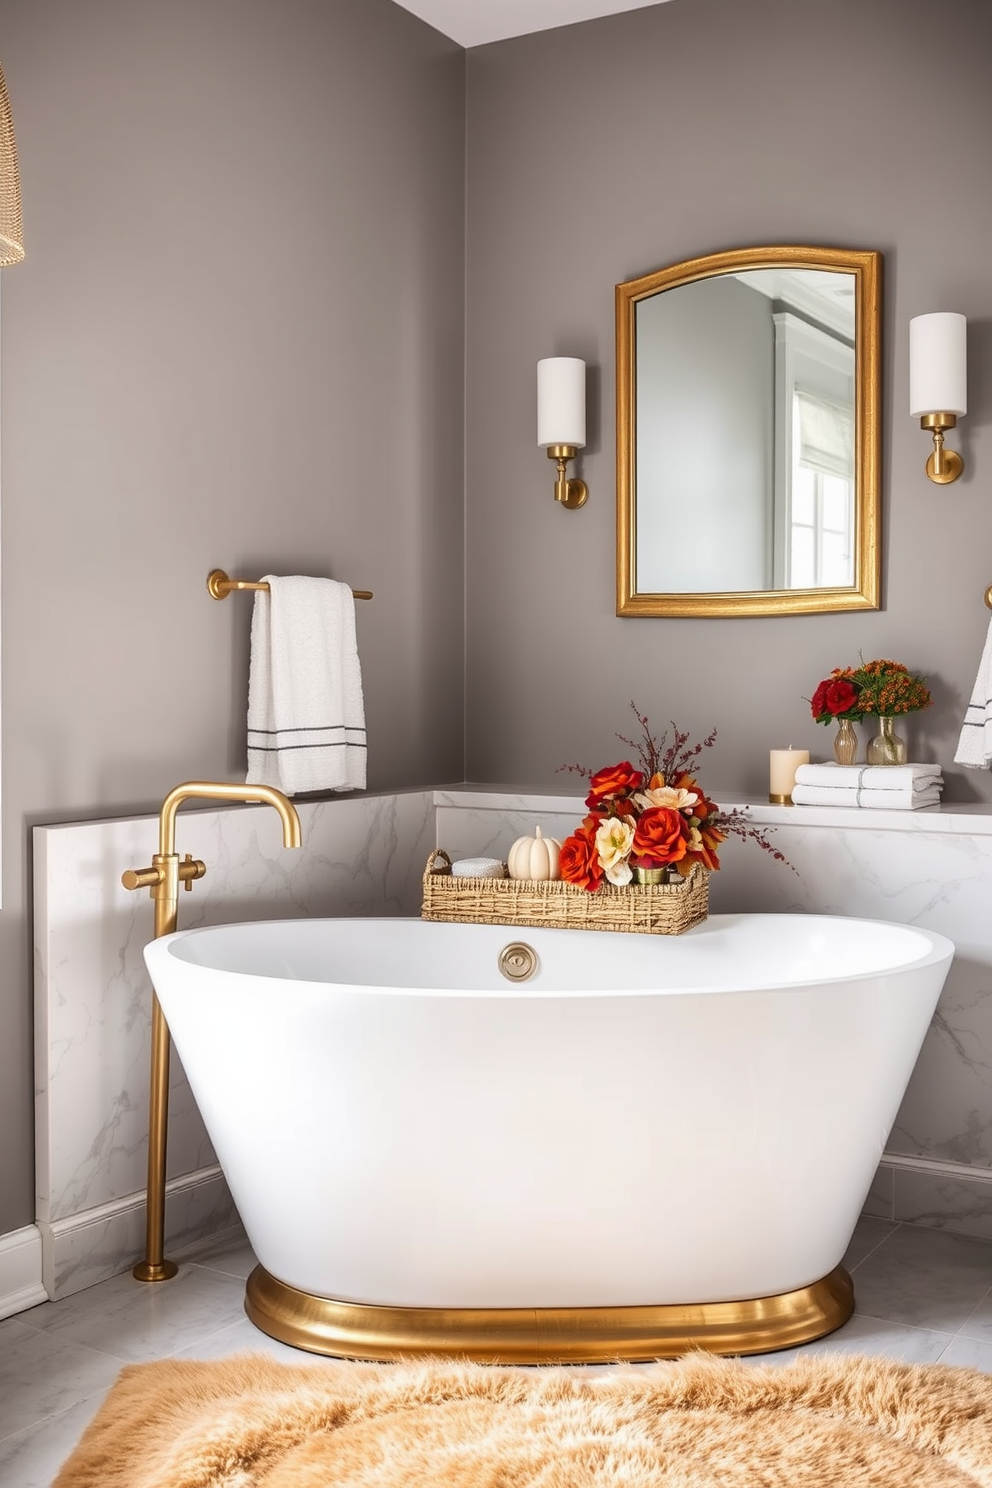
(162, 880)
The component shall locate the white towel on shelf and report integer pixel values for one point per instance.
(852, 795)
(870, 777)
(306, 712)
(975, 743)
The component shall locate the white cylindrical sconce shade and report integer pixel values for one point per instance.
(561, 401)
(938, 370)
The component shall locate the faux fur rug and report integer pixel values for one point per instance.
(699, 1422)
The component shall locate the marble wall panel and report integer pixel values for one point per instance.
(490, 832)
(939, 881)
(366, 856)
(932, 869)
(361, 855)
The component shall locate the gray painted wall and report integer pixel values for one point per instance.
(236, 341)
(190, 379)
(603, 151)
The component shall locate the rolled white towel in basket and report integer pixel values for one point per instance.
(306, 712)
(975, 744)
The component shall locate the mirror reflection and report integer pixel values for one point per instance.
(747, 438)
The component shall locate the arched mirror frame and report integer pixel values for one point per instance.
(863, 594)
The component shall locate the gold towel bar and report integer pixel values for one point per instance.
(219, 586)
(988, 596)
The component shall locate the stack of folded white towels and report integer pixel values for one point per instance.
(891, 787)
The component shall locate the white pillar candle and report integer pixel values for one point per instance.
(561, 401)
(782, 767)
(938, 372)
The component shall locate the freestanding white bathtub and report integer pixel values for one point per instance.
(655, 1142)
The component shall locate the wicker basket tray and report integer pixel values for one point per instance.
(647, 909)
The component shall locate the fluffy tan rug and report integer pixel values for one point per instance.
(699, 1422)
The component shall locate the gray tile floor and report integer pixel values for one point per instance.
(922, 1296)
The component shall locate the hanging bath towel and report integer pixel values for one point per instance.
(306, 713)
(975, 743)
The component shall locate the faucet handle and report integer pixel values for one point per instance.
(189, 869)
(141, 878)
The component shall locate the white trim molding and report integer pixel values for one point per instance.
(101, 1242)
(20, 1271)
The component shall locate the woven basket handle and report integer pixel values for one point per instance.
(438, 856)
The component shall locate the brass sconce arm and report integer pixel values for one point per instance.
(571, 493)
(944, 465)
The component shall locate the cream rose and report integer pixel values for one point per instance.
(666, 795)
(614, 838)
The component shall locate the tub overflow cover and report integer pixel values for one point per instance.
(517, 961)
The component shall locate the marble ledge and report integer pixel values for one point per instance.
(969, 819)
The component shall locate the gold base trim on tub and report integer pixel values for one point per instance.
(545, 1335)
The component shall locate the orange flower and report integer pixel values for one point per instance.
(615, 782)
(660, 837)
(579, 860)
(703, 838)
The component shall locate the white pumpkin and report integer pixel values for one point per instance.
(534, 857)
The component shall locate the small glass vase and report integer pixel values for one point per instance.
(845, 742)
(887, 747)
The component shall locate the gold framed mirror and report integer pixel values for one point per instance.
(748, 434)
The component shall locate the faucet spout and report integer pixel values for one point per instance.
(209, 790)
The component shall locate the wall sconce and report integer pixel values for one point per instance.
(938, 385)
(561, 421)
(11, 227)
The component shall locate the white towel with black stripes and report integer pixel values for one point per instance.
(306, 711)
(888, 787)
(975, 743)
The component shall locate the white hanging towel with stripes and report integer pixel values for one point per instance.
(975, 744)
(306, 711)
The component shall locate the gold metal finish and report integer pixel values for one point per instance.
(219, 586)
(11, 223)
(571, 493)
(988, 597)
(518, 961)
(944, 465)
(781, 800)
(162, 880)
(544, 1335)
(864, 593)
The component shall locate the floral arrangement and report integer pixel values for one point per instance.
(875, 689)
(654, 816)
(835, 697)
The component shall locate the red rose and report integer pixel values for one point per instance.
(579, 862)
(660, 837)
(616, 780)
(834, 697)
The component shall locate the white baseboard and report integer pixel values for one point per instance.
(20, 1271)
(936, 1168)
(83, 1249)
(932, 1192)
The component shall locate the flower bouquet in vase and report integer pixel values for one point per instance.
(876, 689)
(836, 699)
(650, 823)
(886, 691)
